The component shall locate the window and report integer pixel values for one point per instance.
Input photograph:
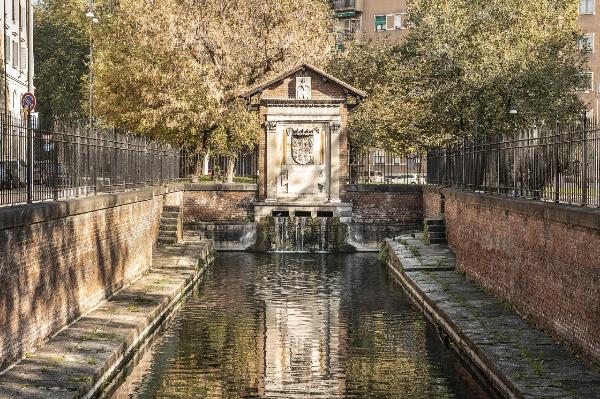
(380, 23)
(586, 7)
(586, 43)
(400, 21)
(23, 59)
(379, 158)
(23, 15)
(7, 48)
(587, 81)
(15, 9)
(15, 52)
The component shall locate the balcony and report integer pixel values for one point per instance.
(347, 6)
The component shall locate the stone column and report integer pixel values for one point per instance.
(334, 162)
(271, 153)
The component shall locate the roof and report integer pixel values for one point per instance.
(300, 67)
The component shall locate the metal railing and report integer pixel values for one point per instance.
(553, 163)
(344, 4)
(214, 168)
(384, 167)
(66, 161)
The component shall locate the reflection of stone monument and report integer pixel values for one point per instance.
(303, 154)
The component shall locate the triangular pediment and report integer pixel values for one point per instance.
(309, 71)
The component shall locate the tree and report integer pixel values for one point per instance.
(463, 66)
(175, 69)
(61, 50)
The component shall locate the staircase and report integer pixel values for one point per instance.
(435, 230)
(171, 229)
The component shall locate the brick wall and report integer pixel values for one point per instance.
(321, 90)
(541, 257)
(60, 259)
(432, 202)
(216, 203)
(386, 204)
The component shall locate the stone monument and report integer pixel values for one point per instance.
(303, 154)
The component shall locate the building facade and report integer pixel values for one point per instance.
(374, 18)
(389, 19)
(589, 17)
(17, 52)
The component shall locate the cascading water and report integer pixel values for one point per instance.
(299, 234)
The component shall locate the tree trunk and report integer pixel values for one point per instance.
(230, 170)
(197, 168)
(205, 163)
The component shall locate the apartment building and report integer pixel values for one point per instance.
(374, 18)
(17, 45)
(389, 19)
(589, 17)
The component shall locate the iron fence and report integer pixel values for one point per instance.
(384, 167)
(66, 161)
(554, 163)
(214, 167)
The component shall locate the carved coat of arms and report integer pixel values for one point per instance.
(302, 141)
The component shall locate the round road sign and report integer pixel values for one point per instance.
(28, 101)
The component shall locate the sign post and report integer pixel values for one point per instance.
(28, 103)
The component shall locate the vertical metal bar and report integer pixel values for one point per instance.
(29, 159)
(584, 174)
(556, 168)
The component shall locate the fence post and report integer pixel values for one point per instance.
(29, 159)
(584, 174)
(556, 166)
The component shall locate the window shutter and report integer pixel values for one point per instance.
(7, 49)
(23, 58)
(389, 22)
(23, 15)
(15, 55)
(380, 23)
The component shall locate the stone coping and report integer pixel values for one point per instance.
(561, 213)
(514, 358)
(83, 358)
(220, 187)
(26, 214)
(387, 188)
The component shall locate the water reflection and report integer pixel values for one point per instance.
(290, 326)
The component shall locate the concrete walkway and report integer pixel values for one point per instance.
(517, 359)
(81, 358)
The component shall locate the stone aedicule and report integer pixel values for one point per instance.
(303, 150)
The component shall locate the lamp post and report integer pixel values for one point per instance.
(93, 20)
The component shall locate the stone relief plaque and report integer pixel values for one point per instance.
(303, 88)
(302, 145)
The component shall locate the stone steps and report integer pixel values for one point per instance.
(436, 231)
(170, 230)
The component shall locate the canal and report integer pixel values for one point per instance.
(298, 326)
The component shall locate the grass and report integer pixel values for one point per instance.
(133, 308)
(415, 251)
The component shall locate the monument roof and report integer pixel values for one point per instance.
(299, 67)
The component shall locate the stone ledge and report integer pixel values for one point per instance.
(220, 187)
(27, 214)
(81, 359)
(561, 213)
(385, 188)
(518, 360)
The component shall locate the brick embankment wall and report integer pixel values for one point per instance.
(218, 203)
(432, 202)
(383, 204)
(60, 259)
(543, 258)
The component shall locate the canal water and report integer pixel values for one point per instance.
(299, 326)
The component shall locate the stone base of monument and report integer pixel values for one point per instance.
(340, 210)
